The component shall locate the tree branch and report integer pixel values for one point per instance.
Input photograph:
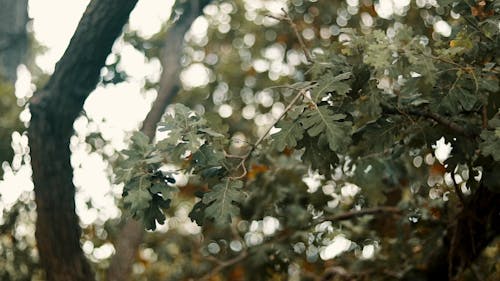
(363, 212)
(222, 265)
(286, 17)
(433, 116)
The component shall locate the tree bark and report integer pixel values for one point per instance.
(13, 36)
(132, 233)
(53, 110)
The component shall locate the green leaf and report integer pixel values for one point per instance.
(139, 199)
(290, 133)
(318, 155)
(459, 99)
(491, 139)
(211, 132)
(140, 139)
(165, 189)
(221, 200)
(182, 125)
(328, 84)
(322, 121)
(378, 53)
(208, 162)
(152, 215)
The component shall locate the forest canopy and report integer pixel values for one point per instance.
(297, 140)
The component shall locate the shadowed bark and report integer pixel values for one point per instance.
(54, 109)
(132, 233)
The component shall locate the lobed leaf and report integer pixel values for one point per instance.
(322, 121)
(221, 201)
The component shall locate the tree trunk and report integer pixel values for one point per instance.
(53, 110)
(13, 36)
(131, 234)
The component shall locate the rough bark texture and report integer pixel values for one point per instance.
(53, 110)
(132, 233)
(13, 36)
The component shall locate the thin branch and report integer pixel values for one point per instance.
(358, 213)
(431, 115)
(484, 116)
(261, 139)
(443, 121)
(286, 17)
(221, 265)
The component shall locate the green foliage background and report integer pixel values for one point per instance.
(364, 111)
(362, 115)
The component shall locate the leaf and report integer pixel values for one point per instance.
(318, 155)
(378, 53)
(290, 133)
(466, 98)
(140, 146)
(154, 159)
(491, 139)
(139, 199)
(459, 99)
(327, 84)
(183, 125)
(197, 214)
(221, 200)
(154, 213)
(208, 162)
(164, 189)
(322, 121)
(211, 132)
(140, 139)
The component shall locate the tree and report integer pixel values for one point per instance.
(131, 234)
(53, 109)
(296, 101)
(372, 106)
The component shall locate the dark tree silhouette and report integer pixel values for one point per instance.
(54, 109)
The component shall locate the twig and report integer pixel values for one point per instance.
(484, 113)
(357, 213)
(431, 115)
(259, 141)
(443, 121)
(292, 24)
(221, 265)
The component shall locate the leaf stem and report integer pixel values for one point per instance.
(292, 24)
(261, 139)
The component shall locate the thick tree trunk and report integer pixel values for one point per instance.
(131, 234)
(53, 110)
(13, 36)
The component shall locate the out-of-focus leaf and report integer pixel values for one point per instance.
(222, 200)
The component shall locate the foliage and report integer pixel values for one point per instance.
(9, 120)
(361, 119)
